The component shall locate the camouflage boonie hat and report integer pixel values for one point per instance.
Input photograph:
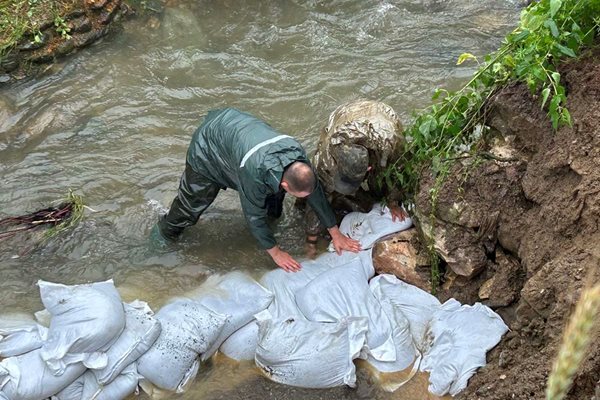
(352, 165)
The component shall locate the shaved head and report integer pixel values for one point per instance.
(299, 177)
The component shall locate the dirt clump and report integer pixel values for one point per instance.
(520, 232)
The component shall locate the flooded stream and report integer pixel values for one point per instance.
(113, 124)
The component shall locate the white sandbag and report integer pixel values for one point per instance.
(406, 352)
(236, 295)
(86, 319)
(344, 292)
(141, 331)
(284, 285)
(462, 335)
(20, 334)
(369, 227)
(241, 345)
(188, 330)
(86, 387)
(416, 305)
(27, 377)
(310, 354)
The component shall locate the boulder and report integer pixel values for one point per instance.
(403, 256)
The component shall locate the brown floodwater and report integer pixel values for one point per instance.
(113, 124)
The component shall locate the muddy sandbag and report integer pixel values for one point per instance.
(310, 354)
(86, 387)
(140, 333)
(20, 334)
(462, 335)
(27, 377)
(86, 319)
(241, 345)
(236, 295)
(416, 305)
(189, 329)
(344, 292)
(369, 227)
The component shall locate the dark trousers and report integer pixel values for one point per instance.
(195, 194)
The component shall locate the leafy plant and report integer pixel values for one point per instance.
(549, 31)
(62, 27)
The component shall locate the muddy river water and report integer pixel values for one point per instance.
(113, 124)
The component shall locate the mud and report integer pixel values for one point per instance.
(520, 232)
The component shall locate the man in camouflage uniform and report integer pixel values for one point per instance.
(360, 140)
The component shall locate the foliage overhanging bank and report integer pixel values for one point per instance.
(549, 31)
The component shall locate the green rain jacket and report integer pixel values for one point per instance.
(236, 150)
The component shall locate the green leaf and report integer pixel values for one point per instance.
(519, 36)
(552, 26)
(554, 7)
(555, 77)
(566, 117)
(464, 57)
(545, 94)
(565, 50)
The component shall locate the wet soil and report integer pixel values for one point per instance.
(528, 227)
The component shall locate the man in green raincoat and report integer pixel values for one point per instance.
(232, 149)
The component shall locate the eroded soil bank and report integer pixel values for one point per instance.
(520, 232)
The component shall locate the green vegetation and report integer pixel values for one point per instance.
(66, 214)
(25, 18)
(549, 31)
(73, 203)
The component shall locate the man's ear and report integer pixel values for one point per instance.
(285, 186)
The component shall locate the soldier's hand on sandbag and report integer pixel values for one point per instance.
(398, 213)
(342, 242)
(284, 260)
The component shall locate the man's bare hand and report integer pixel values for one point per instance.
(398, 213)
(284, 260)
(341, 242)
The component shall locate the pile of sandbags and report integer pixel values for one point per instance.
(303, 329)
(194, 327)
(92, 337)
(334, 311)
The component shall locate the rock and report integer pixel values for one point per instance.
(80, 25)
(403, 256)
(9, 62)
(503, 288)
(4, 78)
(31, 44)
(65, 47)
(42, 57)
(74, 14)
(458, 246)
(109, 12)
(95, 4)
(90, 37)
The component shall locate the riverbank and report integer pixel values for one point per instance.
(35, 33)
(519, 231)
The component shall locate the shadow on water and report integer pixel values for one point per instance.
(113, 123)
